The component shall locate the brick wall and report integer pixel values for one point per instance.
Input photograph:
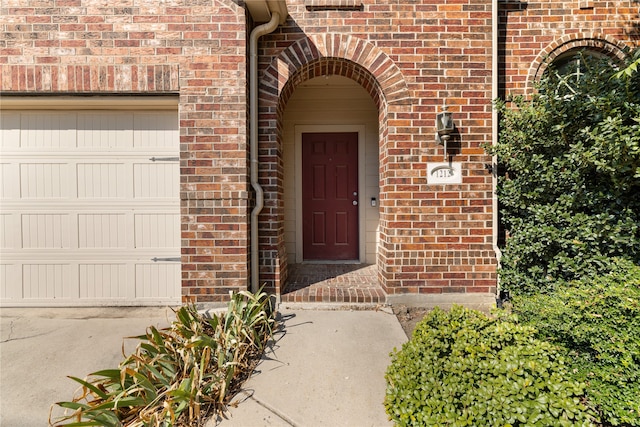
(411, 56)
(434, 238)
(193, 48)
(534, 32)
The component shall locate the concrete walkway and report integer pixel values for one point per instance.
(324, 368)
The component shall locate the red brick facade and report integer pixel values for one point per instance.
(434, 238)
(532, 34)
(410, 56)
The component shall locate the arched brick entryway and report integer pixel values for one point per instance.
(337, 54)
(310, 57)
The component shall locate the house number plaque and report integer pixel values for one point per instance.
(444, 173)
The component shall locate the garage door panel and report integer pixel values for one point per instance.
(46, 231)
(105, 130)
(44, 180)
(151, 230)
(153, 131)
(85, 210)
(102, 180)
(47, 130)
(9, 189)
(105, 281)
(8, 225)
(9, 130)
(156, 280)
(152, 180)
(48, 281)
(10, 274)
(104, 231)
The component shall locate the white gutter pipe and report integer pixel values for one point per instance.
(494, 129)
(257, 32)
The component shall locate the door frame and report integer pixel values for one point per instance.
(360, 130)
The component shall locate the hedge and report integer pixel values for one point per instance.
(597, 321)
(463, 368)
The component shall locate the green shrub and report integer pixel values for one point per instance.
(598, 321)
(179, 375)
(462, 368)
(569, 194)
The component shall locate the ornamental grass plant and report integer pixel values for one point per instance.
(177, 376)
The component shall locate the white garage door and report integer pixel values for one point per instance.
(89, 209)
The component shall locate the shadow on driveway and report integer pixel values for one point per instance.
(40, 347)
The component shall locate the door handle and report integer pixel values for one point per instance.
(355, 203)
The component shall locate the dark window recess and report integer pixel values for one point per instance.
(333, 4)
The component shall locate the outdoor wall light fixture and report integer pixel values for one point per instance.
(444, 127)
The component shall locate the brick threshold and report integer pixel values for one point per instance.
(333, 283)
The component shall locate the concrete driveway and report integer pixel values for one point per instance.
(40, 347)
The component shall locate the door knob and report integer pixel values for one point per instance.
(355, 203)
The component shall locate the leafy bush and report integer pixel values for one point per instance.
(176, 376)
(569, 195)
(598, 322)
(464, 368)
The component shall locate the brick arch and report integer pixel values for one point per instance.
(333, 66)
(339, 54)
(599, 42)
(316, 55)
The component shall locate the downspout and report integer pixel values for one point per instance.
(256, 33)
(495, 28)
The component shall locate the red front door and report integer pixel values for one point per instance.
(330, 196)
